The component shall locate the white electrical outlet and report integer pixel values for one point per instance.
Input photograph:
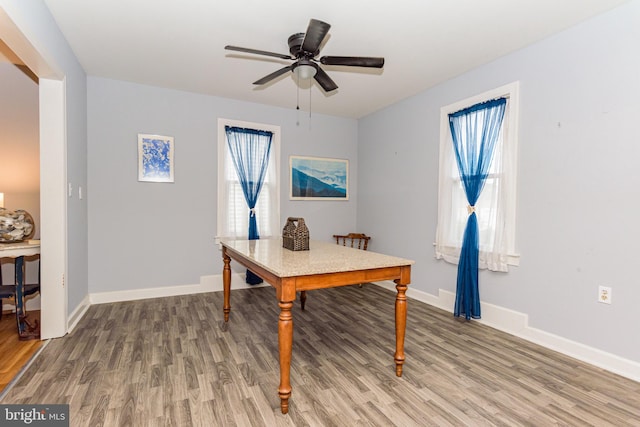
(604, 294)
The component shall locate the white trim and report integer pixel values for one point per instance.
(78, 314)
(517, 324)
(503, 254)
(500, 318)
(15, 39)
(511, 90)
(53, 202)
(207, 284)
(31, 303)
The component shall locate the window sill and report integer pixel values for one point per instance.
(486, 260)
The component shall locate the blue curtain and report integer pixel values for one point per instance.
(475, 131)
(250, 150)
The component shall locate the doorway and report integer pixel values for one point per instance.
(53, 223)
(20, 186)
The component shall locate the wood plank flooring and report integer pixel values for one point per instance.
(173, 362)
(14, 354)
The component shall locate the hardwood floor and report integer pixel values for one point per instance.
(172, 361)
(14, 354)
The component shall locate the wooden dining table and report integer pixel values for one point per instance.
(19, 250)
(324, 265)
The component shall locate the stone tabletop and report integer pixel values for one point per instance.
(16, 249)
(322, 257)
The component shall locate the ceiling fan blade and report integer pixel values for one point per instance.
(353, 61)
(273, 75)
(325, 81)
(258, 52)
(316, 32)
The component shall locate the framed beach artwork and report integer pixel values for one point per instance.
(155, 158)
(317, 178)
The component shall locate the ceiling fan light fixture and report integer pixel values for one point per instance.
(304, 71)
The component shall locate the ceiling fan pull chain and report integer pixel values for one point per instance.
(310, 105)
(297, 100)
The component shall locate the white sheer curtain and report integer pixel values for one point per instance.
(233, 214)
(495, 208)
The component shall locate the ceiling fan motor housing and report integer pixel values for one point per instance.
(295, 46)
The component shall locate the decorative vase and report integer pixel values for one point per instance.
(16, 226)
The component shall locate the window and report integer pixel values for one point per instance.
(233, 212)
(496, 206)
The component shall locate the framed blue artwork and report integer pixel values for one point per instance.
(155, 158)
(317, 178)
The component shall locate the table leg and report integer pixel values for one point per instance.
(303, 299)
(285, 343)
(19, 263)
(226, 284)
(401, 324)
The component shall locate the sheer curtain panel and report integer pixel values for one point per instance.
(249, 150)
(496, 207)
(475, 132)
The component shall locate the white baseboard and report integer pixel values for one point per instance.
(211, 283)
(515, 323)
(32, 302)
(503, 319)
(81, 309)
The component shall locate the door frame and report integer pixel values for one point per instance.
(53, 173)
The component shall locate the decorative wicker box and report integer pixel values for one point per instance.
(295, 235)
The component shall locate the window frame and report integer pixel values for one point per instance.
(273, 157)
(508, 177)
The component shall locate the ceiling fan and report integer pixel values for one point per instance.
(303, 48)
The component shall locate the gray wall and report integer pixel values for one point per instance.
(146, 235)
(35, 21)
(577, 185)
(19, 142)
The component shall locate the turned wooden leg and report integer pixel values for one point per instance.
(226, 283)
(401, 324)
(303, 299)
(285, 343)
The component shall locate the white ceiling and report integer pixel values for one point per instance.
(180, 44)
